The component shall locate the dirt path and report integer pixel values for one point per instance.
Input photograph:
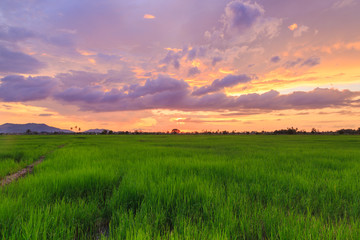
(23, 172)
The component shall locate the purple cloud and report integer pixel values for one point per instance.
(17, 62)
(159, 85)
(241, 15)
(311, 62)
(14, 34)
(193, 71)
(219, 84)
(168, 93)
(275, 59)
(153, 95)
(173, 58)
(163, 92)
(293, 63)
(20, 89)
(215, 60)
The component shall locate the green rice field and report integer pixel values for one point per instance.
(181, 187)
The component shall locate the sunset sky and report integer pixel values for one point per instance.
(192, 65)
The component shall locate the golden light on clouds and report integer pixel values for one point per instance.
(85, 53)
(225, 71)
(195, 63)
(173, 49)
(293, 27)
(149, 16)
(92, 61)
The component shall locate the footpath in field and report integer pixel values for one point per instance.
(23, 172)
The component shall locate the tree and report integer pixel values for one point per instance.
(104, 132)
(175, 131)
(28, 131)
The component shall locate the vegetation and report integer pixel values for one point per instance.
(182, 187)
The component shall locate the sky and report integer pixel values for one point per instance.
(193, 65)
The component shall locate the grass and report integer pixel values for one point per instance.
(182, 187)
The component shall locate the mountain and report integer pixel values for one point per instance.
(34, 127)
(95, 130)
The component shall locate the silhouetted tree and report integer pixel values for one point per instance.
(175, 131)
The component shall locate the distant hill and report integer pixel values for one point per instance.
(96, 130)
(34, 127)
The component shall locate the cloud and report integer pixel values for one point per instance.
(84, 79)
(14, 34)
(163, 92)
(240, 15)
(161, 84)
(311, 62)
(149, 16)
(17, 62)
(169, 93)
(196, 52)
(343, 3)
(219, 84)
(193, 71)
(173, 58)
(46, 115)
(243, 22)
(293, 63)
(215, 60)
(20, 89)
(300, 30)
(275, 59)
(292, 27)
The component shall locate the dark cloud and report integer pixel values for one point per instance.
(163, 92)
(192, 54)
(193, 71)
(215, 60)
(46, 115)
(275, 59)
(219, 84)
(240, 15)
(293, 63)
(173, 58)
(17, 62)
(196, 52)
(161, 84)
(14, 34)
(20, 89)
(310, 62)
(168, 93)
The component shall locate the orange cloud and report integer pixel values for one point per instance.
(85, 53)
(91, 60)
(293, 27)
(149, 16)
(174, 49)
(226, 71)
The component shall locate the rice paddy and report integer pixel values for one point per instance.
(181, 187)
